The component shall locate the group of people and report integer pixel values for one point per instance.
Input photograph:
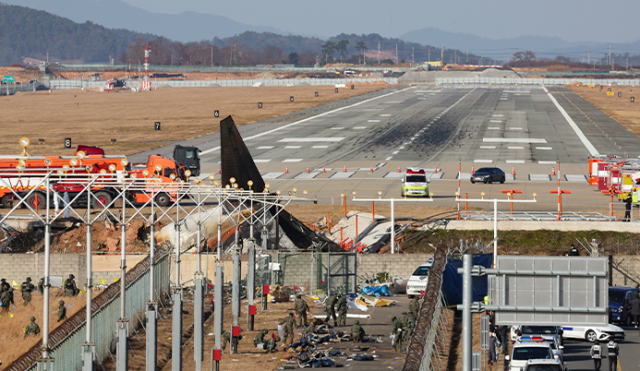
(498, 339)
(612, 353)
(403, 326)
(336, 302)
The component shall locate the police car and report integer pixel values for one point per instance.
(553, 341)
(418, 280)
(524, 350)
(414, 183)
(593, 333)
(544, 365)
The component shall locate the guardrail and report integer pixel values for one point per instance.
(66, 340)
(79, 84)
(533, 81)
(184, 69)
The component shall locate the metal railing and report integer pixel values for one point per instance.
(90, 67)
(67, 340)
(533, 81)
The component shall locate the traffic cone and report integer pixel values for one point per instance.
(286, 170)
(399, 169)
(308, 171)
(345, 168)
(471, 170)
(219, 170)
(513, 171)
(371, 170)
(323, 169)
(435, 170)
(553, 171)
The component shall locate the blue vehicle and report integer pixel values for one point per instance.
(619, 299)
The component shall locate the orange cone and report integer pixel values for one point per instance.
(435, 170)
(219, 171)
(371, 170)
(323, 169)
(553, 170)
(308, 169)
(286, 170)
(513, 171)
(399, 169)
(471, 170)
(345, 168)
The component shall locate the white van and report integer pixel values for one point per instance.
(418, 280)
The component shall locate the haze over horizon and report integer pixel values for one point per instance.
(571, 20)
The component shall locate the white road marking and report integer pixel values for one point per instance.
(503, 98)
(483, 161)
(395, 152)
(265, 147)
(337, 128)
(320, 147)
(546, 162)
(515, 128)
(309, 119)
(592, 150)
(393, 175)
(261, 160)
(385, 115)
(497, 115)
(488, 147)
(402, 147)
(292, 147)
(493, 128)
(311, 139)
(515, 147)
(544, 148)
(497, 121)
(359, 127)
(373, 120)
(515, 161)
(388, 158)
(272, 175)
(307, 175)
(514, 140)
(342, 175)
(292, 160)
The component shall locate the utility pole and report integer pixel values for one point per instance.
(467, 56)
(442, 54)
(413, 56)
(455, 60)
(378, 53)
(589, 57)
(429, 55)
(396, 53)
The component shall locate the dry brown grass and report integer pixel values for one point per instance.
(94, 118)
(620, 109)
(12, 342)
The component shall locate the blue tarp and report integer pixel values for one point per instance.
(452, 281)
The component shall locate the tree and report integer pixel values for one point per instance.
(526, 56)
(293, 58)
(328, 49)
(342, 48)
(360, 47)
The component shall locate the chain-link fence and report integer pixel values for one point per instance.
(66, 340)
(12, 88)
(534, 81)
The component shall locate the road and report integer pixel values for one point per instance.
(576, 353)
(359, 144)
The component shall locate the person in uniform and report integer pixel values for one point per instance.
(612, 354)
(272, 344)
(26, 289)
(301, 308)
(311, 328)
(342, 310)
(32, 328)
(573, 251)
(397, 332)
(596, 355)
(226, 338)
(259, 339)
(41, 285)
(329, 308)
(357, 332)
(70, 288)
(7, 299)
(4, 286)
(62, 311)
(414, 306)
(627, 208)
(289, 323)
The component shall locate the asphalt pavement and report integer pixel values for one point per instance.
(577, 358)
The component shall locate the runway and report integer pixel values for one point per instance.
(358, 145)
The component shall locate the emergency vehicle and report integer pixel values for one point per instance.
(414, 183)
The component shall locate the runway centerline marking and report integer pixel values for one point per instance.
(292, 147)
(265, 147)
(292, 160)
(320, 147)
(544, 148)
(514, 140)
(483, 161)
(261, 160)
(311, 139)
(488, 147)
(515, 147)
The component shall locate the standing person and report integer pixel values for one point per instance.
(62, 311)
(573, 251)
(612, 353)
(342, 310)
(493, 357)
(301, 307)
(4, 286)
(503, 331)
(41, 285)
(6, 298)
(26, 289)
(635, 310)
(397, 333)
(414, 306)
(596, 355)
(627, 208)
(329, 308)
(32, 328)
(70, 288)
(289, 323)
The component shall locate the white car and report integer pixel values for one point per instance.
(544, 365)
(523, 351)
(418, 280)
(593, 333)
(544, 331)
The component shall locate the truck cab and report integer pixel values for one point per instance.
(414, 183)
(189, 157)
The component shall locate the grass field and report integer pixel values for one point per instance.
(620, 109)
(93, 118)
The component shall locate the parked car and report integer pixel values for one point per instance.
(488, 175)
(593, 333)
(545, 332)
(418, 280)
(523, 351)
(619, 303)
(544, 365)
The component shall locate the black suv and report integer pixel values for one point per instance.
(488, 175)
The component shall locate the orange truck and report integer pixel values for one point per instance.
(33, 168)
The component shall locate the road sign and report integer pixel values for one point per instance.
(259, 104)
(619, 94)
(8, 79)
(556, 291)
(156, 125)
(609, 93)
(291, 99)
(633, 99)
(216, 113)
(67, 142)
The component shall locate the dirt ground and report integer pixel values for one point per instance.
(93, 118)
(620, 109)
(13, 343)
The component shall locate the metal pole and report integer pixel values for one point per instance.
(152, 309)
(46, 362)
(251, 280)
(198, 299)
(235, 279)
(218, 305)
(467, 299)
(495, 231)
(393, 228)
(88, 353)
(123, 323)
(176, 323)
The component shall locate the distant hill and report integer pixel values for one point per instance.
(184, 27)
(25, 32)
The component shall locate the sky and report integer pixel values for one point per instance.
(571, 20)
